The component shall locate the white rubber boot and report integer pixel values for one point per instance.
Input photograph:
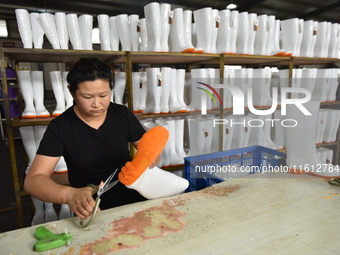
(223, 34)
(315, 33)
(300, 143)
(332, 126)
(179, 138)
(37, 31)
(144, 91)
(229, 79)
(136, 91)
(166, 150)
(204, 24)
(143, 35)
(67, 94)
(48, 24)
(321, 40)
(104, 32)
(58, 90)
(290, 34)
(247, 131)
(39, 212)
(276, 39)
(74, 31)
(210, 80)
(50, 214)
(215, 27)
(85, 22)
(307, 39)
(152, 14)
(208, 131)
(197, 136)
(38, 94)
(197, 75)
(61, 25)
(156, 183)
(24, 27)
(296, 81)
(175, 159)
(187, 28)
(180, 74)
(328, 39)
(166, 83)
(243, 80)
(134, 31)
(299, 40)
(177, 33)
(65, 212)
(267, 127)
(257, 130)
(260, 46)
(174, 105)
(278, 131)
(165, 25)
(334, 41)
(114, 37)
(308, 79)
(27, 94)
(322, 84)
(119, 88)
(261, 87)
(233, 30)
(240, 126)
(242, 34)
(123, 27)
(321, 125)
(252, 27)
(334, 83)
(154, 81)
(227, 135)
(194, 37)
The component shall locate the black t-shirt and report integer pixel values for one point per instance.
(92, 154)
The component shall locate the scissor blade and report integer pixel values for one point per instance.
(109, 186)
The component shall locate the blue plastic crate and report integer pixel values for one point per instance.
(199, 170)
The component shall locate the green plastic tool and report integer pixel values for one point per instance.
(48, 240)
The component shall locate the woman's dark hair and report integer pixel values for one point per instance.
(88, 69)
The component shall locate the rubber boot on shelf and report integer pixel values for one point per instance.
(215, 27)
(267, 128)
(37, 30)
(166, 18)
(151, 183)
(322, 84)
(144, 91)
(179, 143)
(196, 136)
(177, 33)
(197, 75)
(334, 83)
(228, 133)
(261, 36)
(38, 94)
(85, 22)
(67, 94)
(252, 27)
(276, 40)
(257, 130)
(278, 131)
(307, 39)
(174, 105)
(153, 98)
(273, 48)
(261, 87)
(187, 31)
(223, 34)
(208, 131)
(175, 159)
(24, 27)
(228, 80)
(26, 88)
(114, 37)
(243, 80)
(290, 34)
(65, 212)
(136, 91)
(328, 39)
(308, 79)
(166, 150)
(39, 212)
(74, 31)
(50, 213)
(332, 126)
(334, 41)
(104, 31)
(210, 80)
(165, 90)
(61, 25)
(134, 31)
(299, 40)
(233, 30)
(240, 126)
(242, 34)
(300, 143)
(143, 35)
(58, 91)
(187, 89)
(323, 121)
(204, 23)
(247, 131)
(180, 75)
(194, 37)
(48, 24)
(321, 40)
(296, 81)
(119, 89)
(152, 14)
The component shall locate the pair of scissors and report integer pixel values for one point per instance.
(100, 190)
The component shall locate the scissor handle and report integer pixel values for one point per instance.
(93, 215)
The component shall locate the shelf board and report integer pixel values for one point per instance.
(231, 59)
(59, 56)
(31, 122)
(313, 61)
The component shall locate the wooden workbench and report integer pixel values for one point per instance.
(264, 214)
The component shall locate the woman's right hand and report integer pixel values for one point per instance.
(81, 201)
